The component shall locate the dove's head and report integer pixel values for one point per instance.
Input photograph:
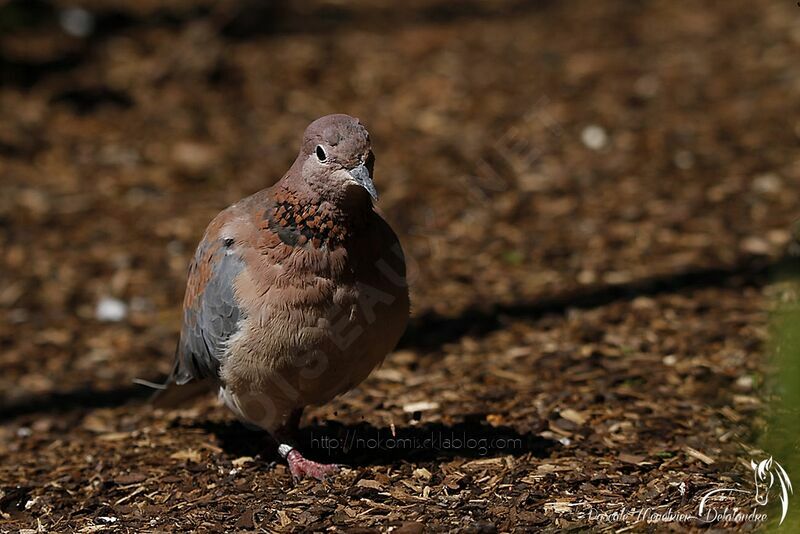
(336, 158)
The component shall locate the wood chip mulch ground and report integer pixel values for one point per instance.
(596, 199)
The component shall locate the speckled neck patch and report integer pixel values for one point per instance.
(299, 224)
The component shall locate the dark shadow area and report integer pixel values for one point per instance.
(25, 73)
(364, 444)
(254, 17)
(13, 499)
(430, 331)
(86, 100)
(78, 399)
(240, 20)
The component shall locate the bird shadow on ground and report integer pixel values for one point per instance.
(364, 444)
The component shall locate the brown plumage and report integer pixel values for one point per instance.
(297, 292)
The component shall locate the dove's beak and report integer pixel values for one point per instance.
(363, 177)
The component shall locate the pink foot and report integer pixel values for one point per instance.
(301, 467)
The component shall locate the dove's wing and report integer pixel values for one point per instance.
(210, 309)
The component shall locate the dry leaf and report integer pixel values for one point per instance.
(372, 484)
(571, 415)
(631, 458)
(422, 474)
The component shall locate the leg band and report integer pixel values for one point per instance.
(284, 450)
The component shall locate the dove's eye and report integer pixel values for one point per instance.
(321, 155)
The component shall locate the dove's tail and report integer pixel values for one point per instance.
(172, 395)
(176, 391)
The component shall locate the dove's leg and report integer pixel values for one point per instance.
(299, 466)
(302, 467)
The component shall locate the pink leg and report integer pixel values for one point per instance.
(301, 467)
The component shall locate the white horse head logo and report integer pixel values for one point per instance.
(765, 474)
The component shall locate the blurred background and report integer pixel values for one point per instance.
(594, 197)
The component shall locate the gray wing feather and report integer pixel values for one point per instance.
(211, 320)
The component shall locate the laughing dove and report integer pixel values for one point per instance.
(297, 292)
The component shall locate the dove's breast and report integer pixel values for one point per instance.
(315, 322)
